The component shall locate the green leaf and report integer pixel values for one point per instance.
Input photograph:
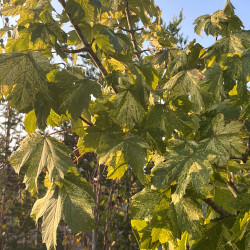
(186, 83)
(73, 202)
(37, 152)
(79, 96)
(26, 76)
(235, 43)
(241, 227)
(242, 202)
(44, 31)
(113, 39)
(76, 11)
(221, 22)
(213, 85)
(78, 200)
(236, 73)
(119, 168)
(75, 91)
(144, 202)
(139, 224)
(189, 215)
(185, 163)
(96, 3)
(129, 110)
(167, 118)
(134, 150)
(224, 140)
(165, 216)
(161, 234)
(216, 236)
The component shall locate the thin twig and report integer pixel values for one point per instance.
(132, 33)
(74, 51)
(221, 211)
(87, 122)
(79, 157)
(77, 149)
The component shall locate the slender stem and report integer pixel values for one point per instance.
(77, 149)
(97, 189)
(132, 33)
(87, 122)
(79, 157)
(108, 218)
(221, 211)
(74, 51)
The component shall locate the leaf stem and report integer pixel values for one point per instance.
(74, 51)
(79, 157)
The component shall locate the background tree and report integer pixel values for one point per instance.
(175, 118)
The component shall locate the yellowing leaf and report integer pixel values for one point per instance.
(30, 122)
(139, 224)
(233, 91)
(161, 234)
(119, 168)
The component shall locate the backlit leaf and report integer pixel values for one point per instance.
(37, 152)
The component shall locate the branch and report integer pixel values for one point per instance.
(223, 213)
(132, 33)
(88, 47)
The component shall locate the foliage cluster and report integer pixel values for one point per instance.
(178, 119)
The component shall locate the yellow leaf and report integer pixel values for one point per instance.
(116, 64)
(233, 91)
(47, 182)
(211, 61)
(162, 234)
(202, 52)
(138, 224)
(248, 78)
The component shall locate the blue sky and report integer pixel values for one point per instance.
(194, 8)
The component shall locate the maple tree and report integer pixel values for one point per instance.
(179, 118)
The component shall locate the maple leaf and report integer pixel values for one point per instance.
(75, 91)
(75, 196)
(185, 163)
(186, 83)
(133, 149)
(26, 76)
(129, 110)
(37, 152)
(224, 140)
